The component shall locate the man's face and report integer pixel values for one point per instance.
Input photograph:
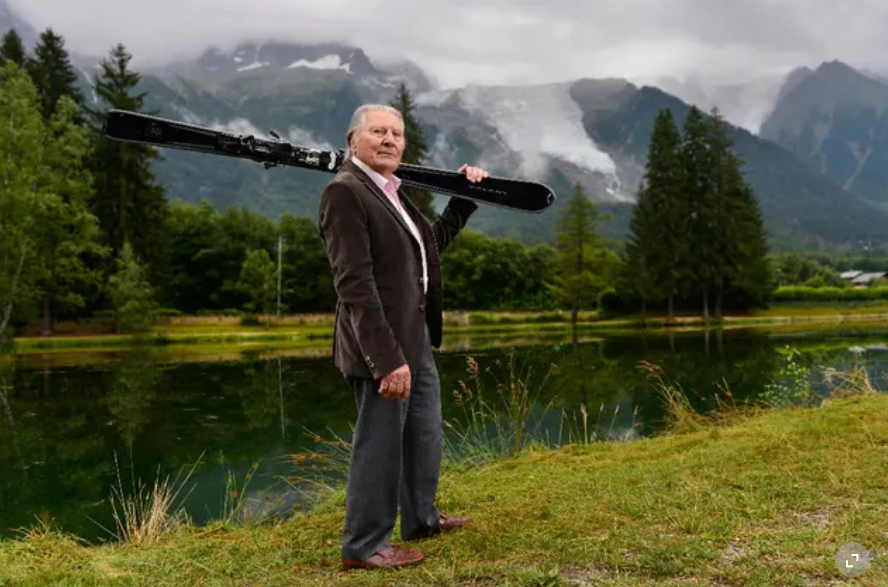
(380, 143)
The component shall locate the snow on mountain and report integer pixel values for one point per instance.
(537, 126)
(250, 56)
(252, 66)
(326, 62)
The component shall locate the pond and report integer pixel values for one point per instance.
(73, 430)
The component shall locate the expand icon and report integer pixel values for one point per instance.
(852, 559)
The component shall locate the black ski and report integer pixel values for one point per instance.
(136, 127)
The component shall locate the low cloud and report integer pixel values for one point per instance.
(499, 41)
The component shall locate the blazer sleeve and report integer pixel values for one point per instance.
(342, 221)
(451, 221)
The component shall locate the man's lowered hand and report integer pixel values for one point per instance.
(396, 385)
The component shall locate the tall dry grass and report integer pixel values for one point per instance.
(146, 513)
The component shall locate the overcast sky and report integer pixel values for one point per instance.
(497, 41)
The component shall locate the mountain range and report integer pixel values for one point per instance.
(813, 141)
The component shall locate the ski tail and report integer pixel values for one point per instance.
(526, 196)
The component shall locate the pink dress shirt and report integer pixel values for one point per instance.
(390, 188)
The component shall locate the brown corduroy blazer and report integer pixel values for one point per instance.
(381, 311)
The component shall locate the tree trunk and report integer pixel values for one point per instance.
(644, 311)
(47, 316)
(574, 312)
(705, 303)
(670, 315)
(718, 303)
(6, 313)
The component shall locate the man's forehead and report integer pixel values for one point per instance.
(378, 118)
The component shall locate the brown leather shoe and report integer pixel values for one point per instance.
(452, 522)
(391, 557)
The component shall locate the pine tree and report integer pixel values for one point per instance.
(53, 73)
(698, 188)
(754, 279)
(747, 276)
(130, 206)
(638, 279)
(580, 255)
(723, 212)
(415, 148)
(666, 212)
(12, 48)
(131, 295)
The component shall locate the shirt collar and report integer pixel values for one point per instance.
(377, 177)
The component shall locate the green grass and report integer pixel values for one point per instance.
(757, 497)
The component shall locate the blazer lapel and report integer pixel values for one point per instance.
(377, 191)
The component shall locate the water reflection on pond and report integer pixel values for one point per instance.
(66, 418)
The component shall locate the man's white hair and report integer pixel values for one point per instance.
(360, 117)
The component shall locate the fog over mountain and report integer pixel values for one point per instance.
(500, 41)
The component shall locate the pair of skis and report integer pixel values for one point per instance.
(136, 127)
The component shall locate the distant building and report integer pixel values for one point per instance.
(849, 275)
(865, 279)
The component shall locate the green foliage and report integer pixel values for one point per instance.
(610, 303)
(306, 281)
(792, 386)
(19, 167)
(26, 207)
(69, 237)
(817, 270)
(250, 320)
(131, 294)
(258, 281)
(803, 293)
(415, 148)
(481, 272)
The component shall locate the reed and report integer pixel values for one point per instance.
(145, 514)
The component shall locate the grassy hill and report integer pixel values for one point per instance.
(739, 498)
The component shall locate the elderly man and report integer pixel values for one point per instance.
(385, 261)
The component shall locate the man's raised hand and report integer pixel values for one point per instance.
(474, 174)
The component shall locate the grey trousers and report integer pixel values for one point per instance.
(396, 460)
